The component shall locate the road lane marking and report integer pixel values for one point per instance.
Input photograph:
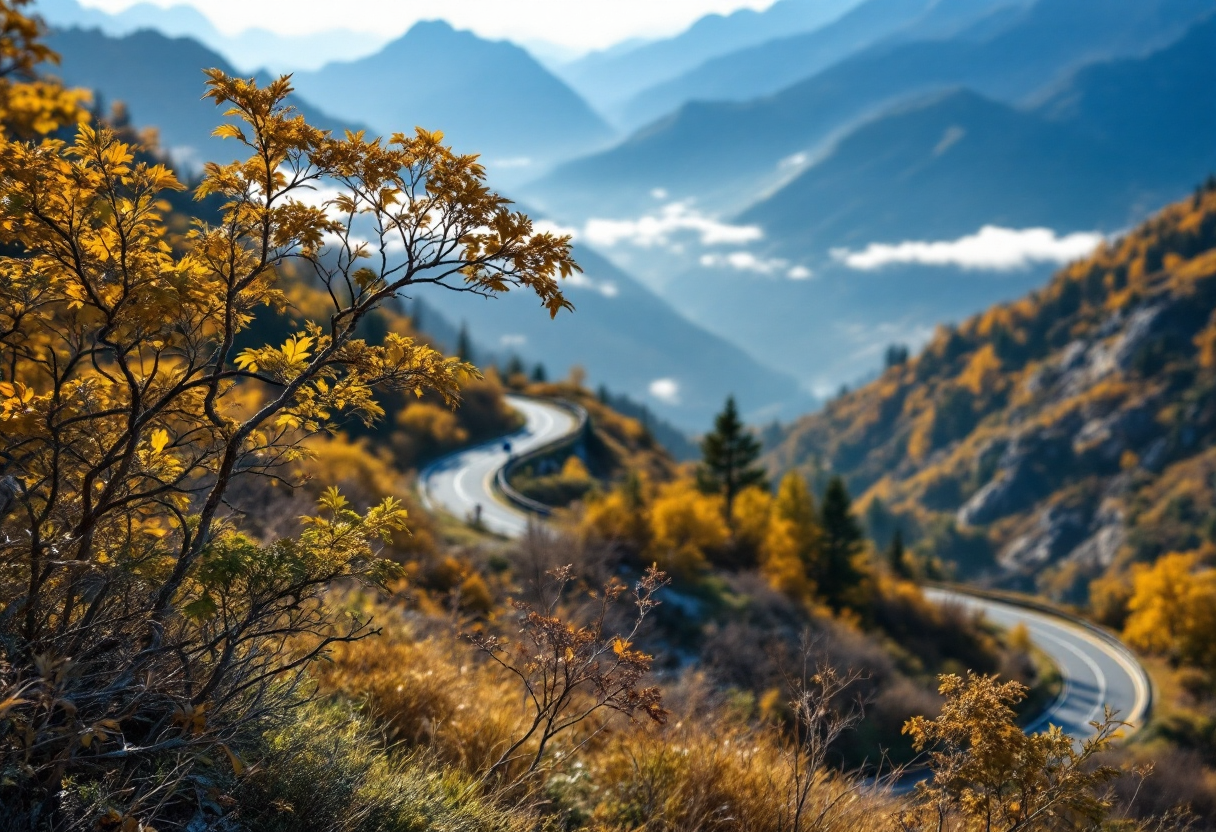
(1099, 676)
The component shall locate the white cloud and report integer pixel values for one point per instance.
(798, 160)
(659, 193)
(605, 287)
(659, 229)
(745, 261)
(665, 390)
(556, 229)
(992, 248)
(513, 340)
(510, 163)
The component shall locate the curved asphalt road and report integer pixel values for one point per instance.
(460, 482)
(1095, 672)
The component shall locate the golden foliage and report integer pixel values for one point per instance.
(685, 524)
(128, 410)
(1172, 609)
(989, 774)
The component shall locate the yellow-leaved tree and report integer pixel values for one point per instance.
(988, 774)
(1172, 609)
(141, 634)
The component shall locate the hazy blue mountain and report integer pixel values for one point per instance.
(756, 146)
(248, 50)
(161, 81)
(488, 97)
(610, 77)
(626, 338)
(763, 67)
(1114, 142)
(1117, 140)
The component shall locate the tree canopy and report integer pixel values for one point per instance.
(129, 407)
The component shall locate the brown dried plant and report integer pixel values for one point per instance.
(570, 672)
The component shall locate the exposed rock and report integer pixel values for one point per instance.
(1109, 436)
(1098, 550)
(1154, 458)
(1056, 531)
(1019, 478)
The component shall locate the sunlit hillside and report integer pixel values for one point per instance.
(1055, 439)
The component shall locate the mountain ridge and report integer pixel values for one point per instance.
(525, 116)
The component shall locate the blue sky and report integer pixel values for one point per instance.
(573, 24)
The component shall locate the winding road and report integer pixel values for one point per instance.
(1095, 668)
(460, 482)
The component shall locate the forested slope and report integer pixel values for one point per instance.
(1056, 438)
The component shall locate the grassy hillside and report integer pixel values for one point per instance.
(1056, 438)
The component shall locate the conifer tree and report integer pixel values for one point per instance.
(464, 345)
(538, 374)
(896, 556)
(838, 573)
(515, 365)
(729, 453)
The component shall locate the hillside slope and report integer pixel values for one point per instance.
(1056, 438)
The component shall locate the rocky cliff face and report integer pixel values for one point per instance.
(1057, 438)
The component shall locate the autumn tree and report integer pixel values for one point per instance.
(140, 631)
(793, 545)
(988, 774)
(31, 107)
(1172, 610)
(729, 456)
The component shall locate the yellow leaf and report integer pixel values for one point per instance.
(160, 438)
(238, 766)
(247, 360)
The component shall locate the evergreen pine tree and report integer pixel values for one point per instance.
(515, 366)
(538, 374)
(729, 453)
(464, 345)
(838, 572)
(896, 557)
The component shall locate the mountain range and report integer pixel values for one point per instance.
(912, 141)
(828, 178)
(610, 78)
(755, 146)
(160, 80)
(249, 50)
(488, 97)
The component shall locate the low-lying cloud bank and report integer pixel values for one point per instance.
(992, 248)
(674, 223)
